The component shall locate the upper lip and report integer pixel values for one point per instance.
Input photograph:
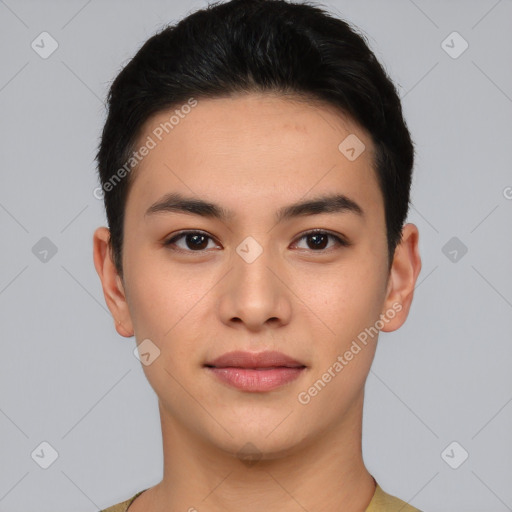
(268, 359)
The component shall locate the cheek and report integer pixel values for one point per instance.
(348, 302)
(163, 305)
(344, 299)
(167, 304)
(161, 295)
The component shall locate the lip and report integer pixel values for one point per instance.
(255, 372)
(267, 359)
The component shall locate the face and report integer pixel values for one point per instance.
(249, 273)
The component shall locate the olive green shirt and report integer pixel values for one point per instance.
(381, 502)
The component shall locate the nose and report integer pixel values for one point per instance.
(255, 294)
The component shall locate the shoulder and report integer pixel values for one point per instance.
(384, 502)
(123, 506)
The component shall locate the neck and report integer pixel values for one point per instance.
(199, 476)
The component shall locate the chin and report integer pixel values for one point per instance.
(262, 441)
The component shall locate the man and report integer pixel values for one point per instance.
(256, 170)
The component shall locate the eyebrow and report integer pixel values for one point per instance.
(178, 203)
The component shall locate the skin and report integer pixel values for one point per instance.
(253, 154)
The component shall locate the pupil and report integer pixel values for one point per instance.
(316, 237)
(196, 237)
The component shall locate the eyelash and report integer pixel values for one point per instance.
(340, 241)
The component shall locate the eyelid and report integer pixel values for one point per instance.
(184, 232)
(341, 240)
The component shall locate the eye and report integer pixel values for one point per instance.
(319, 239)
(194, 241)
(197, 241)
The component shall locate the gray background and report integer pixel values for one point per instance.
(67, 377)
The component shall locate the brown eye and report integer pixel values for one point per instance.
(317, 240)
(197, 241)
(194, 241)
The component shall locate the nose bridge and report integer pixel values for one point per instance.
(254, 293)
(251, 261)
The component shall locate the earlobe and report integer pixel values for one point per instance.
(404, 272)
(111, 282)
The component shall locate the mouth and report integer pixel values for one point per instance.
(255, 372)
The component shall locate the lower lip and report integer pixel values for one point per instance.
(253, 380)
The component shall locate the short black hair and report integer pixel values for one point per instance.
(244, 46)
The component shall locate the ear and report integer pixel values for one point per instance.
(111, 282)
(402, 279)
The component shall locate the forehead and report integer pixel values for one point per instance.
(254, 146)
